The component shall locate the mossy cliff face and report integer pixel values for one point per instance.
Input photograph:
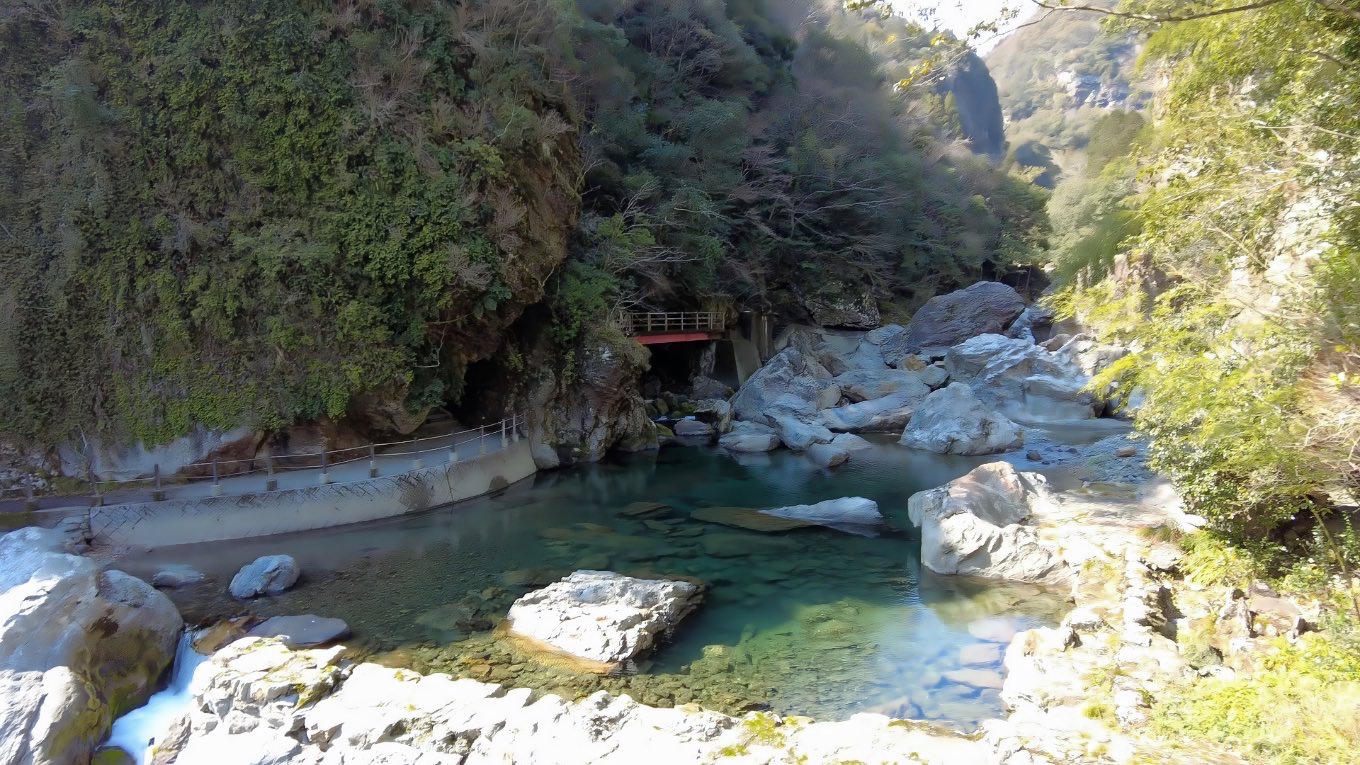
(253, 212)
(80, 647)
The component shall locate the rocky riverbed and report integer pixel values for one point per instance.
(1045, 618)
(1076, 692)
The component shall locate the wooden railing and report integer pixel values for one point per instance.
(685, 321)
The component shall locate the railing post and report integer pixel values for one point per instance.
(157, 493)
(514, 428)
(96, 499)
(217, 481)
(481, 440)
(270, 482)
(325, 476)
(502, 433)
(453, 449)
(372, 462)
(29, 502)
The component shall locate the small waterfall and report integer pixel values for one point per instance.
(136, 731)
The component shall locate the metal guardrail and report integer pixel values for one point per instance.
(507, 430)
(684, 321)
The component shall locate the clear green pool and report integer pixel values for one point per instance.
(812, 622)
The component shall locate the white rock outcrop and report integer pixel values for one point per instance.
(976, 526)
(1022, 379)
(788, 374)
(258, 703)
(78, 646)
(953, 420)
(601, 616)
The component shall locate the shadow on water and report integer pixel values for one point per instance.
(811, 621)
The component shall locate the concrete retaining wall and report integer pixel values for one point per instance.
(173, 522)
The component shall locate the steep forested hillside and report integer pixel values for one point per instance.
(1057, 76)
(1221, 242)
(234, 212)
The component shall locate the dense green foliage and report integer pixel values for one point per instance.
(237, 212)
(769, 159)
(1240, 265)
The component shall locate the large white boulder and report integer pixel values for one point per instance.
(601, 616)
(78, 647)
(952, 420)
(1022, 379)
(302, 631)
(788, 375)
(976, 526)
(266, 575)
(946, 320)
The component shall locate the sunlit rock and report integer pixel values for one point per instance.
(601, 616)
(975, 525)
(78, 646)
(953, 420)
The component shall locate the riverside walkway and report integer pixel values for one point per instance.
(267, 496)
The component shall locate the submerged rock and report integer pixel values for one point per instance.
(953, 420)
(171, 577)
(693, 429)
(748, 518)
(848, 511)
(945, 320)
(645, 510)
(305, 631)
(267, 575)
(78, 647)
(974, 526)
(601, 616)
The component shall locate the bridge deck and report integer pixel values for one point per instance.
(674, 327)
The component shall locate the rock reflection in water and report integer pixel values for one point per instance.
(806, 621)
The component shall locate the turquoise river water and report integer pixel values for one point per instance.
(812, 621)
